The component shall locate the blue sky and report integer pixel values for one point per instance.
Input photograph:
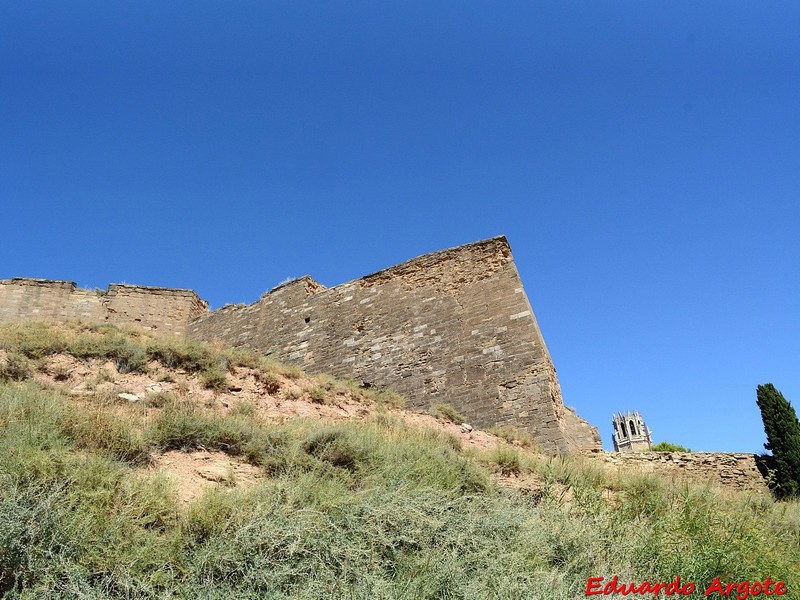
(641, 157)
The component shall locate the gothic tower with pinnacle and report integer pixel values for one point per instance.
(631, 433)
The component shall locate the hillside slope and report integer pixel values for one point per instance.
(139, 467)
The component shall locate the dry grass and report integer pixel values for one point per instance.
(371, 508)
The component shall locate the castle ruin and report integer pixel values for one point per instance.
(452, 326)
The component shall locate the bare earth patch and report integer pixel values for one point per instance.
(196, 472)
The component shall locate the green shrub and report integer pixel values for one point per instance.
(668, 447)
(318, 395)
(215, 378)
(333, 446)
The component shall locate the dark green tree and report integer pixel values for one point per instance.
(783, 438)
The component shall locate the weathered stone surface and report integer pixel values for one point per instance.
(453, 326)
(737, 471)
(166, 310)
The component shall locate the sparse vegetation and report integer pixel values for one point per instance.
(514, 436)
(507, 460)
(391, 399)
(15, 367)
(372, 508)
(216, 379)
(159, 399)
(447, 412)
(318, 395)
(270, 381)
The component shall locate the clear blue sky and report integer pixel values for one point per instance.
(643, 159)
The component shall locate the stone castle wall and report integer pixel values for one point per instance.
(736, 471)
(453, 326)
(161, 309)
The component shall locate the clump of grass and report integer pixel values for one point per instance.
(507, 460)
(57, 372)
(186, 427)
(572, 471)
(210, 516)
(15, 367)
(391, 399)
(447, 412)
(130, 358)
(215, 378)
(318, 395)
(327, 382)
(244, 409)
(107, 431)
(166, 377)
(160, 399)
(186, 355)
(107, 397)
(513, 435)
(104, 375)
(290, 371)
(270, 381)
(333, 447)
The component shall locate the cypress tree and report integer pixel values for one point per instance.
(783, 438)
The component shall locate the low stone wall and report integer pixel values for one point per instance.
(737, 471)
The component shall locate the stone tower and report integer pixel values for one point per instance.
(631, 433)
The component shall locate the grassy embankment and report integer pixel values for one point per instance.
(359, 509)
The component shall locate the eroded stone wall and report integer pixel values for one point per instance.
(453, 326)
(162, 309)
(736, 471)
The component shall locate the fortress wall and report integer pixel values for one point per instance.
(165, 310)
(737, 471)
(453, 326)
(40, 300)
